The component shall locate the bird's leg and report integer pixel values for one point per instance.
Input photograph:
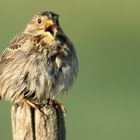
(33, 105)
(56, 104)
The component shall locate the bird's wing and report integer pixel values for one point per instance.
(14, 46)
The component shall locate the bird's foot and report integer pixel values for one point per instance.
(57, 105)
(32, 104)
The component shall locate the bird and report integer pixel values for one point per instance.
(39, 63)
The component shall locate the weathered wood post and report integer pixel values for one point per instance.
(31, 124)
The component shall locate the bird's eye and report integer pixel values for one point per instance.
(39, 20)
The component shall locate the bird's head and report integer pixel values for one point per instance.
(44, 24)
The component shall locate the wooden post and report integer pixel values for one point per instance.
(31, 124)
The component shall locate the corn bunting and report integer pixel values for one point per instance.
(38, 63)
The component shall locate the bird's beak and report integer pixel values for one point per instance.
(50, 27)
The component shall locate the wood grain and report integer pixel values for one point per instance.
(31, 124)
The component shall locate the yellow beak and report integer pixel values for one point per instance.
(50, 27)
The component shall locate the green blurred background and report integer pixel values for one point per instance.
(104, 103)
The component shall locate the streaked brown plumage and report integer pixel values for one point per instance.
(38, 63)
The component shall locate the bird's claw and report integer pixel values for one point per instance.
(57, 105)
(33, 105)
